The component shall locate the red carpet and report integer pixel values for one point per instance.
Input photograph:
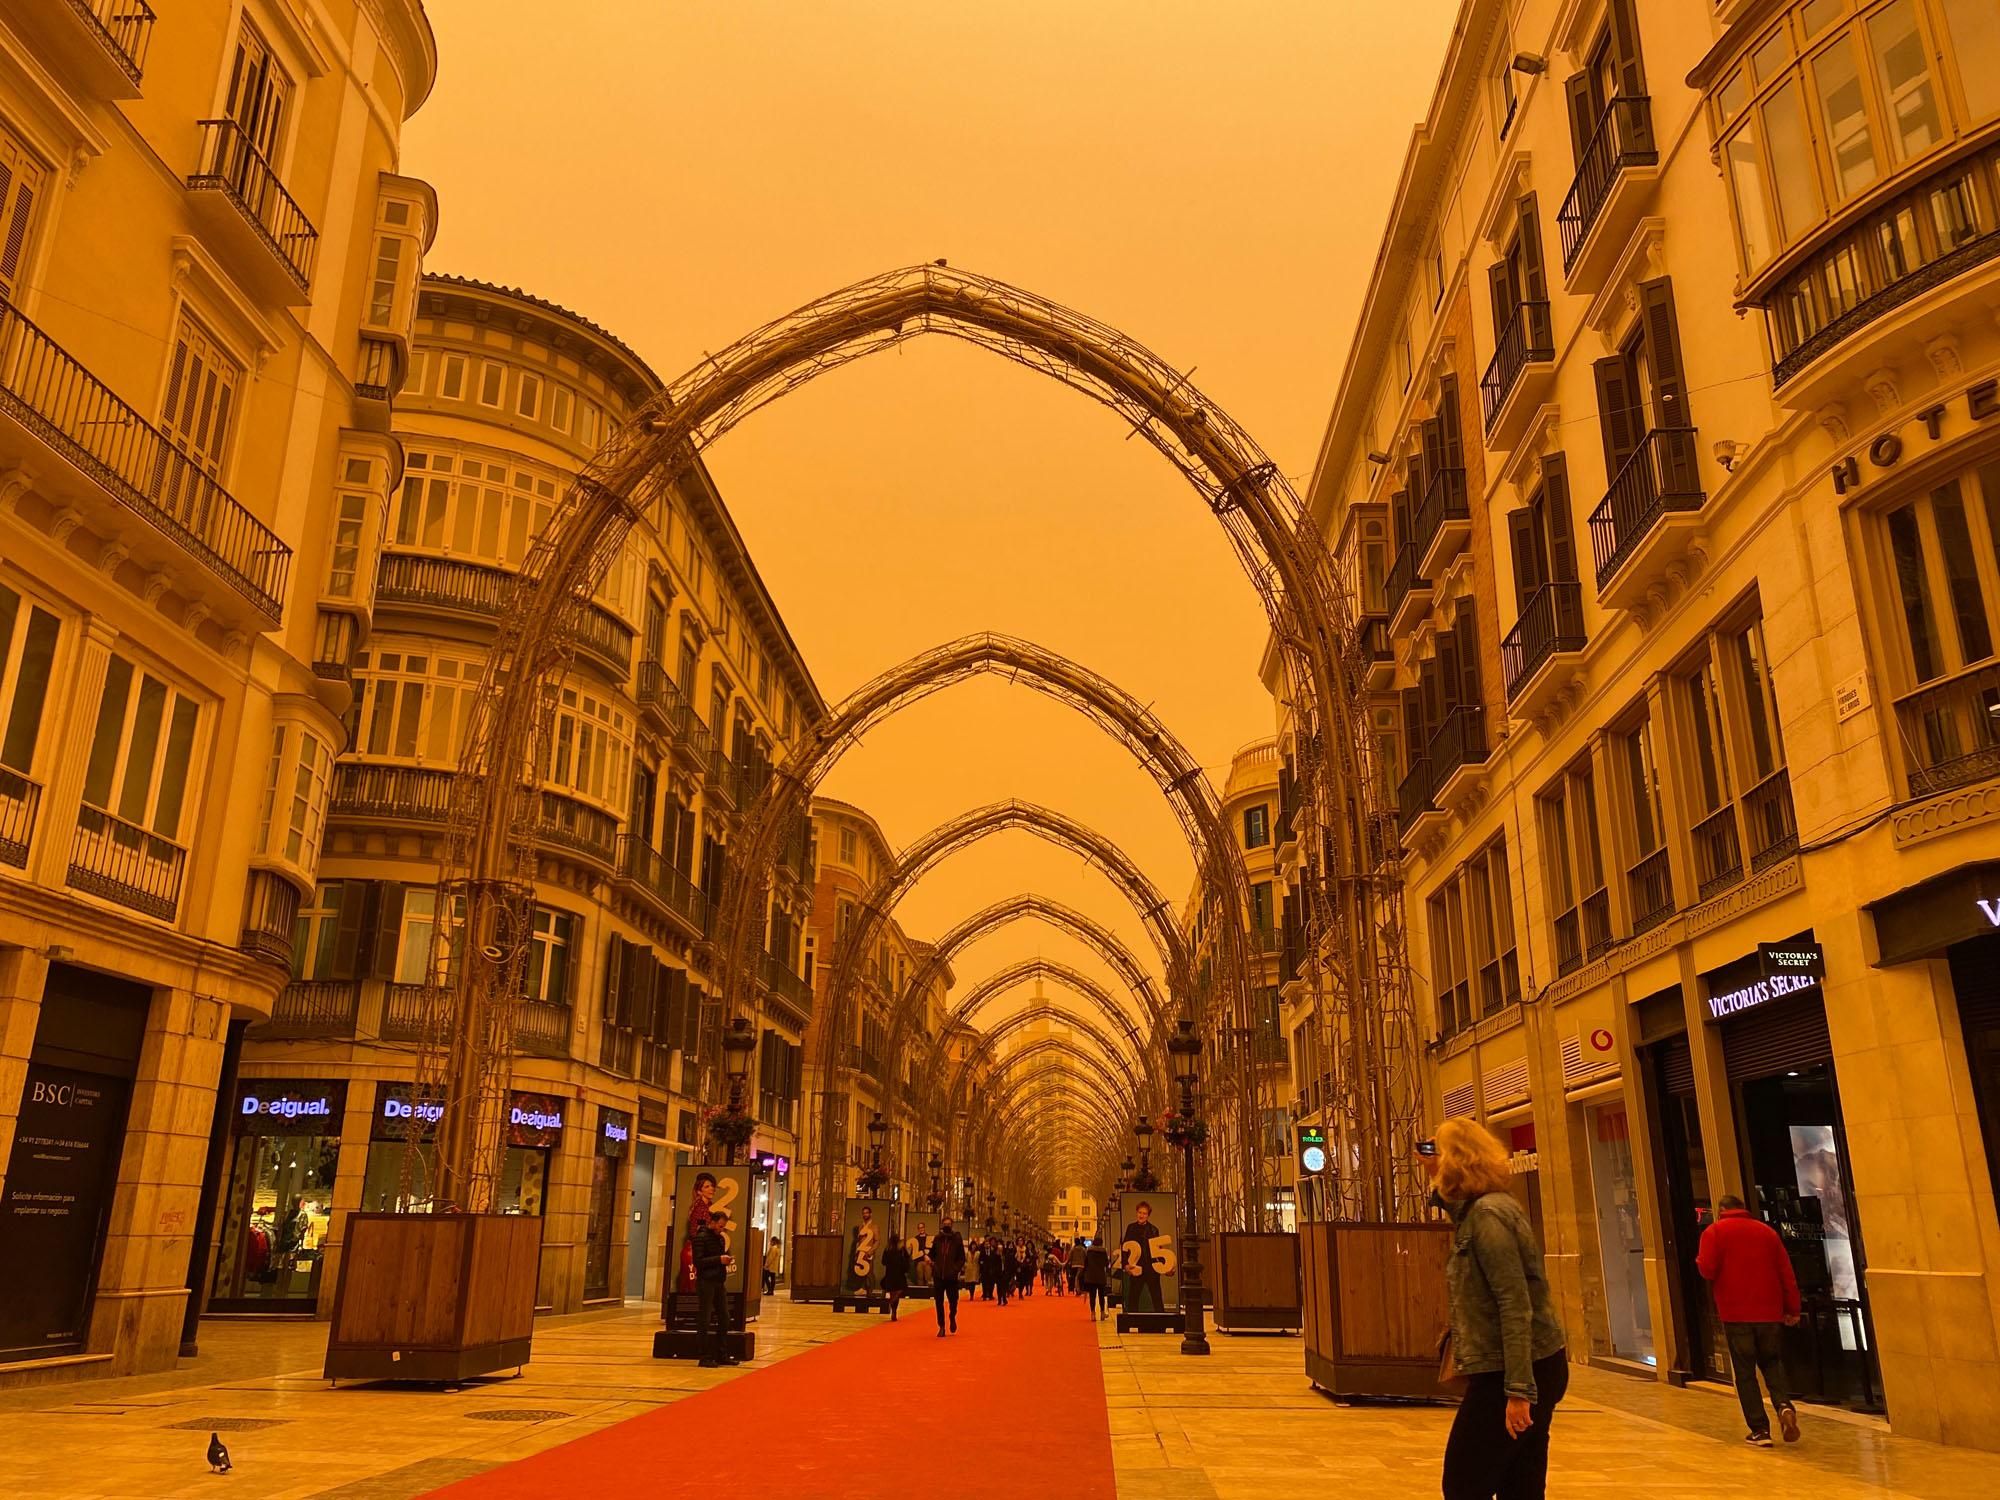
(1012, 1405)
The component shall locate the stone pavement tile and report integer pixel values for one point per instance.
(408, 1482)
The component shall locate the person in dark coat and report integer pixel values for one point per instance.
(989, 1270)
(947, 1266)
(895, 1274)
(1096, 1277)
(712, 1261)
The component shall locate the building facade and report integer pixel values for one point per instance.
(684, 687)
(1700, 849)
(206, 277)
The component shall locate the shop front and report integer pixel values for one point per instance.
(1687, 1201)
(642, 1190)
(534, 1130)
(1524, 1164)
(612, 1147)
(402, 1161)
(1614, 1187)
(284, 1156)
(770, 1195)
(1796, 1169)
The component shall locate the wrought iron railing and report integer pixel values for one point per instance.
(579, 827)
(125, 863)
(311, 1008)
(20, 799)
(785, 984)
(1528, 336)
(1951, 730)
(654, 873)
(1718, 852)
(403, 1016)
(1403, 577)
(1372, 632)
(375, 380)
(1460, 740)
(270, 908)
(1500, 982)
(64, 405)
(1650, 885)
(336, 637)
(232, 165)
(1769, 820)
(1622, 138)
(1552, 621)
(1414, 793)
(604, 636)
(657, 690)
(1444, 502)
(1662, 475)
(443, 583)
(403, 794)
(1939, 227)
(124, 26)
(541, 1029)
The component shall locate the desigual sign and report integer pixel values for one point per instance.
(284, 1106)
(534, 1120)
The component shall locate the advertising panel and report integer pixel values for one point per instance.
(698, 1193)
(1148, 1258)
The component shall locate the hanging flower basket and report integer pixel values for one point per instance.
(1182, 1133)
(1145, 1182)
(731, 1128)
(872, 1181)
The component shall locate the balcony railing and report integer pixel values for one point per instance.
(1622, 138)
(1937, 228)
(1444, 502)
(1458, 742)
(313, 1008)
(375, 380)
(1662, 475)
(786, 985)
(578, 827)
(1403, 579)
(541, 1029)
(270, 908)
(1552, 622)
(1951, 730)
(1769, 821)
(125, 863)
(658, 691)
(443, 583)
(402, 794)
(1650, 884)
(124, 26)
(1372, 632)
(1414, 793)
(604, 636)
(233, 166)
(654, 873)
(617, 1049)
(403, 1017)
(1528, 336)
(336, 637)
(65, 406)
(20, 798)
(1718, 853)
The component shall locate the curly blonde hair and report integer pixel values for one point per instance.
(1471, 1160)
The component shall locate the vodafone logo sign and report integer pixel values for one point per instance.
(1600, 1041)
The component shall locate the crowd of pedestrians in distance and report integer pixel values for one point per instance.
(990, 1268)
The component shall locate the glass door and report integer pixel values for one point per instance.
(1621, 1240)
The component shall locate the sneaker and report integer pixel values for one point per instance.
(940, 1333)
(708, 1364)
(1758, 1439)
(1788, 1422)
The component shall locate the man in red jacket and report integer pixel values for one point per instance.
(1757, 1298)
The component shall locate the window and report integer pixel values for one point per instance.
(1944, 555)
(383, 285)
(1519, 281)
(28, 636)
(420, 369)
(316, 932)
(1256, 826)
(1642, 400)
(1489, 909)
(413, 935)
(547, 979)
(1975, 42)
(295, 795)
(411, 705)
(528, 396)
(350, 521)
(1505, 102)
(258, 94)
(1544, 541)
(1573, 868)
(591, 749)
(590, 424)
(492, 380)
(1449, 980)
(451, 377)
(1649, 877)
(21, 182)
(141, 750)
(1403, 366)
(1260, 906)
(1434, 269)
(201, 398)
(1718, 849)
(562, 404)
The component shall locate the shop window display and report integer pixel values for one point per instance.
(1622, 1244)
(280, 1198)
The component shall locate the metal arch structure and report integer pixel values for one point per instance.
(1106, 1045)
(1352, 881)
(1122, 1102)
(998, 1135)
(910, 866)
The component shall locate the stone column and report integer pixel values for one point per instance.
(23, 973)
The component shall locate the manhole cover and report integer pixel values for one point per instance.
(226, 1424)
(516, 1414)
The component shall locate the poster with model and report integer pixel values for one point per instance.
(920, 1227)
(865, 1226)
(1147, 1259)
(698, 1193)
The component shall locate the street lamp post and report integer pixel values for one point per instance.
(1186, 1049)
(877, 1129)
(1145, 1181)
(738, 1043)
(937, 1187)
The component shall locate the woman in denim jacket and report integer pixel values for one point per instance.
(1504, 1333)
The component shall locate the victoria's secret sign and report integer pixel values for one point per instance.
(1780, 969)
(1885, 450)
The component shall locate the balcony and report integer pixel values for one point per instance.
(404, 1017)
(124, 863)
(1458, 747)
(391, 794)
(1613, 175)
(660, 697)
(1769, 821)
(1950, 730)
(1912, 250)
(1519, 374)
(98, 45)
(723, 781)
(786, 985)
(1378, 660)
(378, 376)
(1583, 933)
(270, 908)
(1413, 797)
(1640, 526)
(256, 223)
(1409, 593)
(604, 637)
(1444, 521)
(443, 584)
(541, 1029)
(694, 742)
(312, 1010)
(107, 448)
(1718, 852)
(20, 799)
(579, 828)
(336, 637)
(1544, 643)
(1649, 885)
(656, 879)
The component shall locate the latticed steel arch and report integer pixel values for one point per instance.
(1354, 906)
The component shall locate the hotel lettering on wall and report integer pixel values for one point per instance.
(1887, 449)
(1783, 969)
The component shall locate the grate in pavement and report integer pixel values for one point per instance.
(226, 1424)
(517, 1414)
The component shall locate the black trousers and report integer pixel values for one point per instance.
(1481, 1462)
(711, 1318)
(986, 1288)
(1754, 1347)
(1100, 1299)
(946, 1290)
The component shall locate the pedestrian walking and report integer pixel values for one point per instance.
(774, 1265)
(947, 1265)
(712, 1261)
(1757, 1299)
(895, 1274)
(989, 1269)
(1504, 1337)
(1096, 1278)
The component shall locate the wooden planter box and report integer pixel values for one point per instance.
(1256, 1279)
(1375, 1304)
(435, 1297)
(812, 1264)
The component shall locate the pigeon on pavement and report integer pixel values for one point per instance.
(218, 1456)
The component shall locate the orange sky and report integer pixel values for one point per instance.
(1211, 178)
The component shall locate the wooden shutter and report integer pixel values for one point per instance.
(1556, 516)
(201, 397)
(1534, 275)
(1582, 113)
(1415, 734)
(1663, 352)
(1452, 443)
(1431, 685)
(1527, 566)
(1432, 435)
(1617, 413)
(388, 928)
(1465, 633)
(614, 976)
(1627, 59)
(1448, 675)
(349, 927)
(21, 179)
(1500, 288)
(1399, 512)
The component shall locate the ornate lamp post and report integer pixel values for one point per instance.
(878, 1128)
(1189, 1133)
(1145, 1181)
(738, 1043)
(937, 1183)
(989, 1212)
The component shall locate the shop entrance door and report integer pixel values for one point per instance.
(641, 1201)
